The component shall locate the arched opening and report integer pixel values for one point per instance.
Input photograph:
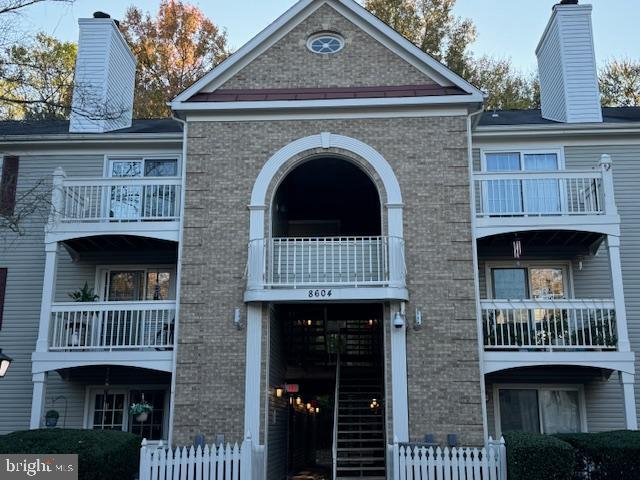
(326, 197)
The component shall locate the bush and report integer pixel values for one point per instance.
(538, 457)
(606, 455)
(102, 454)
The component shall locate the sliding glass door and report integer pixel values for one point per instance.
(522, 196)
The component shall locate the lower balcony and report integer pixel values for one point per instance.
(108, 326)
(137, 334)
(538, 325)
(530, 333)
(326, 268)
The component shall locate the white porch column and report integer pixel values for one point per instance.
(400, 407)
(256, 262)
(630, 414)
(610, 207)
(252, 372)
(48, 292)
(37, 401)
(397, 272)
(613, 243)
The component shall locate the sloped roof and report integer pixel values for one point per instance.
(534, 117)
(61, 127)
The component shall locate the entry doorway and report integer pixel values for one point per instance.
(326, 397)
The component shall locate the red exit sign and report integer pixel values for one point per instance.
(292, 387)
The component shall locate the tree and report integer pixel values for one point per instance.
(620, 83)
(37, 79)
(432, 26)
(173, 50)
(9, 10)
(507, 89)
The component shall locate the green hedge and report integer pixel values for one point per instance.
(607, 455)
(102, 454)
(538, 457)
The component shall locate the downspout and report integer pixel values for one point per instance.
(176, 328)
(476, 281)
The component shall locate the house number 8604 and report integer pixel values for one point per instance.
(319, 293)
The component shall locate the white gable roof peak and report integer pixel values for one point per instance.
(352, 11)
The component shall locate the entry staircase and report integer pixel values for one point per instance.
(359, 428)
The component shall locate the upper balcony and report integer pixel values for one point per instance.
(579, 200)
(326, 268)
(146, 206)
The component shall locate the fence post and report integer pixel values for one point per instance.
(396, 460)
(143, 474)
(502, 449)
(246, 453)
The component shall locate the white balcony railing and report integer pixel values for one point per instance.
(328, 261)
(517, 194)
(549, 325)
(118, 199)
(112, 326)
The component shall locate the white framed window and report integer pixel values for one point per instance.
(325, 43)
(517, 197)
(136, 283)
(108, 409)
(546, 409)
(529, 280)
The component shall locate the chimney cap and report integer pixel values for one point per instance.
(99, 14)
(568, 2)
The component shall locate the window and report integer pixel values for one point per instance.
(529, 282)
(514, 196)
(552, 409)
(325, 43)
(110, 411)
(8, 183)
(132, 285)
(149, 201)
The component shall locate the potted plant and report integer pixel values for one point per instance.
(140, 410)
(51, 418)
(78, 328)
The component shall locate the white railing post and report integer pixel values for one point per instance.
(605, 164)
(256, 264)
(502, 452)
(57, 195)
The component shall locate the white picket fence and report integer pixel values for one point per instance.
(426, 463)
(222, 462)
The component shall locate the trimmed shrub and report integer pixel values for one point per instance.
(531, 456)
(606, 455)
(102, 454)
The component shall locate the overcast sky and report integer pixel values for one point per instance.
(506, 28)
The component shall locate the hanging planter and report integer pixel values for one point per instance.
(140, 411)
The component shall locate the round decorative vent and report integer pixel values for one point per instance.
(325, 43)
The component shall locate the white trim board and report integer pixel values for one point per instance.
(352, 11)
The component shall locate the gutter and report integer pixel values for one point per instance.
(562, 129)
(97, 138)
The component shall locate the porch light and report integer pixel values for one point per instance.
(308, 406)
(317, 409)
(5, 361)
(279, 392)
(298, 400)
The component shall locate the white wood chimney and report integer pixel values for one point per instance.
(104, 78)
(569, 90)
